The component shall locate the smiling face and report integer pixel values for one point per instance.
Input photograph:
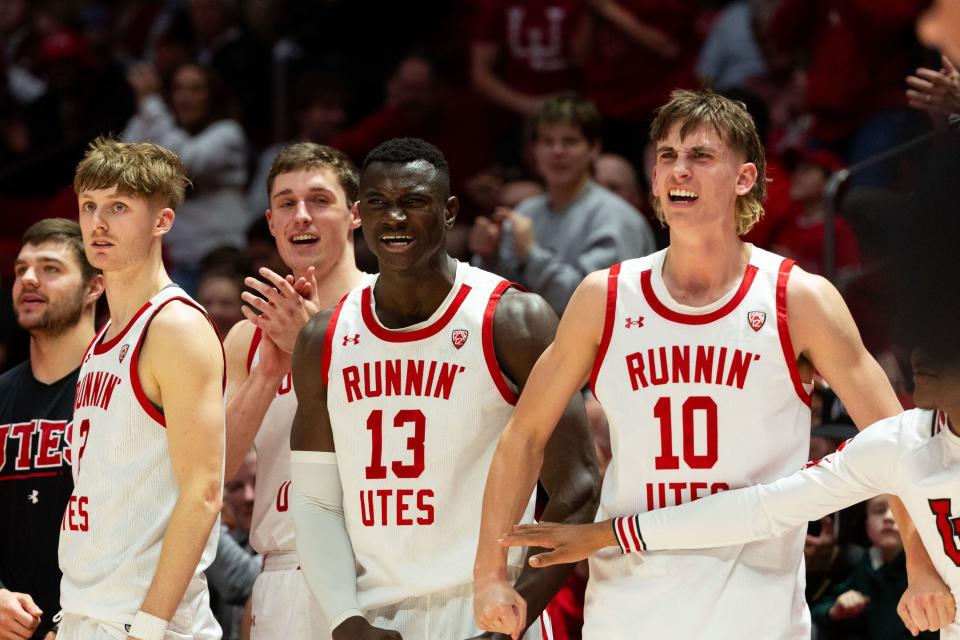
(698, 178)
(563, 154)
(311, 219)
(49, 293)
(405, 212)
(119, 230)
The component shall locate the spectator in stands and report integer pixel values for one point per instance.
(801, 237)
(731, 55)
(218, 291)
(550, 242)
(615, 173)
(856, 55)
(236, 566)
(213, 148)
(864, 606)
(638, 51)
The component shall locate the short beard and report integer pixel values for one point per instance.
(58, 318)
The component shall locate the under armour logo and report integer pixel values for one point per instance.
(32, 497)
(355, 339)
(629, 323)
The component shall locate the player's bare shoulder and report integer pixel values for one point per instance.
(813, 305)
(181, 333)
(239, 338)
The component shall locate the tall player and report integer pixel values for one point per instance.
(55, 292)
(702, 361)
(403, 391)
(148, 440)
(311, 189)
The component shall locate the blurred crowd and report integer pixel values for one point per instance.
(542, 108)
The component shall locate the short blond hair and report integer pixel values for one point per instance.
(141, 169)
(735, 126)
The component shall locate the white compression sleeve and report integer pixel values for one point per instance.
(323, 546)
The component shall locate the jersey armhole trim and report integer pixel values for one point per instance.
(152, 410)
(486, 339)
(783, 329)
(328, 342)
(254, 345)
(608, 320)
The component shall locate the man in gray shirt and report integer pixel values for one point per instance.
(549, 243)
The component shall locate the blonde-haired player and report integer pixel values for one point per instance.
(702, 356)
(148, 430)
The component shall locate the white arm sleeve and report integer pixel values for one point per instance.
(863, 467)
(323, 546)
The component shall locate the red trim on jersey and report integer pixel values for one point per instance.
(254, 343)
(612, 280)
(622, 536)
(27, 476)
(135, 383)
(389, 335)
(632, 526)
(686, 318)
(110, 344)
(783, 328)
(328, 343)
(489, 352)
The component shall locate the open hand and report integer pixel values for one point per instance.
(570, 542)
(282, 310)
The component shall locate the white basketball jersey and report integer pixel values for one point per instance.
(272, 525)
(699, 400)
(124, 485)
(416, 414)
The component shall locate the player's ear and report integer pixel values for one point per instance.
(746, 178)
(94, 289)
(654, 188)
(450, 214)
(355, 215)
(164, 221)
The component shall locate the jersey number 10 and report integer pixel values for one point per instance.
(376, 470)
(667, 459)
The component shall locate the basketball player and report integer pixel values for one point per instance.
(702, 359)
(915, 456)
(403, 389)
(55, 292)
(138, 530)
(312, 189)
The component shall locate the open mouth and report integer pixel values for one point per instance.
(304, 239)
(396, 240)
(682, 195)
(101, 244)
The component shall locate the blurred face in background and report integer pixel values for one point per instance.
(190, 95)
(617, 174)
(939, 27)
(563, 154)
(239, 491)
(220, 296)
(882, 528)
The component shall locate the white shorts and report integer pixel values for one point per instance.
(447, 614)
(193, 621)
(283, 607)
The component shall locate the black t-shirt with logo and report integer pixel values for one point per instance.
(35, 483)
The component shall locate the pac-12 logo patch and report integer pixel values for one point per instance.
(756, 319)
(123, 352)
(459, 337)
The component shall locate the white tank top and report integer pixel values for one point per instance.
(124, 485)
(272, 526)
(416, 415)
(700, 400)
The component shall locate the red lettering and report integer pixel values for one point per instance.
(415, 443)
(393, 377)
(739, 367)
(366, 508)
(425, 507)
(445, 380)
(49, 450)
(402, 507)
(703, 369)
(383, 494)
(351, 383)
(376, 470)
(947, 526)
(694, 488)
(682, 492)
(283, 496)
(110, 383)
(720, 363)
(286, 385)
(681, 364)
(430, 374)
(76, 517)
(23, 432)
(663, 376)
(414, 378)
(84, 515)
(677, 488)
(371, 383)
(635, 371)
(717, 487)
(4, 430)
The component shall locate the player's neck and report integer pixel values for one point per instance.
(340, 278)
(408, 297)
(129, 289)
(700, 269)
(953, 419)
(53, 357)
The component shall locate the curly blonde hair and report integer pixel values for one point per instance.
(730, 119)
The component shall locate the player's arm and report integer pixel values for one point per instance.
(524, 326)
(483, 58)
(557, 376)
(249, 394)
(824, 333)
(323, 545)
(862, 468)
(182, 359)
